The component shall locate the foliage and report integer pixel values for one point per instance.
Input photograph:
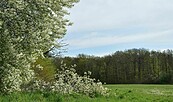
(129, 66)
(27, 29)
(68, 82)
(44, 69)
(165, 78)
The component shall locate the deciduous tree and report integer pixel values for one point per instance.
(27, 29)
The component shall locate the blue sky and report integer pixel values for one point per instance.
(102, 27)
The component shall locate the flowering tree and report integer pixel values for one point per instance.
(27, 29)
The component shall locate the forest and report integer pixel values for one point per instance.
(133, 66)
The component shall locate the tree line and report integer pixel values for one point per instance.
(129, 66)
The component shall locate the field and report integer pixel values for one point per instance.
(118, 93)
(141, 93)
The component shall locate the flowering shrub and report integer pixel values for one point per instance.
(68, 82)
(79, 84)
(14, 73)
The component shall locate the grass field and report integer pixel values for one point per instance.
(141, 93)
(118, 93)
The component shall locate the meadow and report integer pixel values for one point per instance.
(118, 93)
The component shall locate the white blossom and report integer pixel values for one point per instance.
(68, 81)
(24, 35)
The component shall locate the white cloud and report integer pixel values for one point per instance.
(95, 40)
(100, 23)
(109, 14)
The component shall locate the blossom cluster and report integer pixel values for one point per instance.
(14, 73)
(67, 81)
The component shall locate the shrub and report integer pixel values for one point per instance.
(165, 78)
(44, 69)
(67, 81)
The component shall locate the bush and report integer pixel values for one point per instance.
(165, 78)
(44, 69)
(67, 81)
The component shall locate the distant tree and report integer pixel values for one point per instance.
(130, 66)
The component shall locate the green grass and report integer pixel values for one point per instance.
(118, 93)
(141, 93)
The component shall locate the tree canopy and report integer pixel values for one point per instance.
(27, 29)
(129, 66)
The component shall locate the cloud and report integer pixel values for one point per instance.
(95, 40)
(120, 23)
(91, 15)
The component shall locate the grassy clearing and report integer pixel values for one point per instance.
(141, 93)
(119, 93)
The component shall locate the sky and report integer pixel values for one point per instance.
(102, 27)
